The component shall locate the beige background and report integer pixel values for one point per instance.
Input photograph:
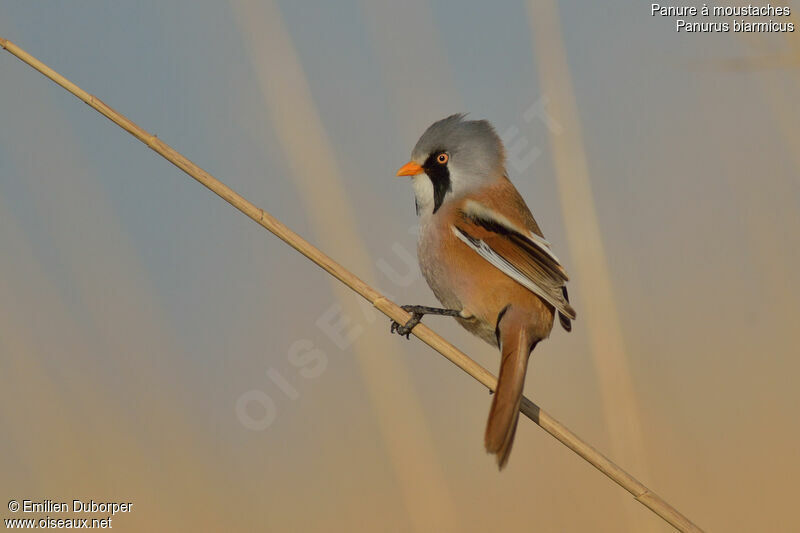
(157, 347)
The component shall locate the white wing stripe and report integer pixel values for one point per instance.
(473, 208)
(507, 268)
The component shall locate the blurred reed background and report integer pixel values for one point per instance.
(158, 347)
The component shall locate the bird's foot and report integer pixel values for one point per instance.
(417, 312)
(405, 329)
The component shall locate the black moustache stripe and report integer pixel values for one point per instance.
(440, 178)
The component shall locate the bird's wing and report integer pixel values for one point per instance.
(520, 254)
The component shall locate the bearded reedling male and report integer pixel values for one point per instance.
(484, 257)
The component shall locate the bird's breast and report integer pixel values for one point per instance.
(436, 265)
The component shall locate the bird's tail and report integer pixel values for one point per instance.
(515, 346)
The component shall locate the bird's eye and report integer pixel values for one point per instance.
(442, 158)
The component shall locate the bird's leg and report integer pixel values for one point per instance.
(417, 312)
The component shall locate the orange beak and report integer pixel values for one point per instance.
(410, 169)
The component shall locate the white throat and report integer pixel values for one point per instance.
(423, 194)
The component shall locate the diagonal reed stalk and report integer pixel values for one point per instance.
(640, 492)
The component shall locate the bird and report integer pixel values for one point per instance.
(484, 257)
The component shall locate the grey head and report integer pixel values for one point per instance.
(453, 156)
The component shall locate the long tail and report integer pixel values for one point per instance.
(515, 346)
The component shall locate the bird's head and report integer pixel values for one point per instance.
(452, 157)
